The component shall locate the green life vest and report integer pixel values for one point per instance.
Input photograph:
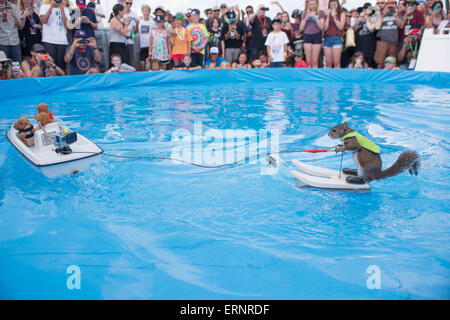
(363, 141)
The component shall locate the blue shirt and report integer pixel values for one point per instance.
(218, 62)
(87, 27)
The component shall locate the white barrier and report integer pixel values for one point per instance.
(434, 53)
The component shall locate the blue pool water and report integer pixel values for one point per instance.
(146, 229)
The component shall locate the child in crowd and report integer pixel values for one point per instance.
(155, 65)
(159, 46)
(146, 24)
(118, 66)
(200, 38)
(180, 40)
(299, 60)
(187, 64)
(390, 63)
(241, 62)
(276, 44)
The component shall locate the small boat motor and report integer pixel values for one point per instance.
(63, 141)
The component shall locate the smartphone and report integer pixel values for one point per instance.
(15, 65)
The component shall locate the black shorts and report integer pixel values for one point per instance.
(315, 38)
(143, 54)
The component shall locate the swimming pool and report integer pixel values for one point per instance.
(147, 229)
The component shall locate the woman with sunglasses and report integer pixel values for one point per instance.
(436, 17)
(312, 25)
(118, 32)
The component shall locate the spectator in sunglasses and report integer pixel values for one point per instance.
(436, 16)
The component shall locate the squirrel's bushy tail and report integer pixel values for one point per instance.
(408, 159)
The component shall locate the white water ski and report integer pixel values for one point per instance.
(324, 178)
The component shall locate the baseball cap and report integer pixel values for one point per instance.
(216, 8)
(159, 18)
(159, 8)
(38, 48)
(214, 50)
(390, 60)
(179, 16)
(195, 12)
(79, 33)
(276, 20)
(81, 3)
(231, 15)
(91, 5)
(366, 5)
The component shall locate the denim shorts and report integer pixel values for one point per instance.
(315, 38)
(333, 42)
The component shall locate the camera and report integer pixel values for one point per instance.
(83, 41)
(63, 140)
(15, 65)
(5, 64)
(58, 1)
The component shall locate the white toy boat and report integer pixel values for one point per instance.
(55, 144)
(324, 178)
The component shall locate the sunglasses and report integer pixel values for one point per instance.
(129, 3)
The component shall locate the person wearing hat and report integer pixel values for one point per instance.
(11, 21)
(276, 44)
(54, 18)
(5, 66)
(159, 47)
(208, 13)
(200, 37)
(180, 40)
(388, 27)
(295, 45)
(214, 61)
(390, 63)
(261, 25)
(99, 11)
(407, 56)
(235, 37)
(40, 64)
(88, 19)
(83, 55)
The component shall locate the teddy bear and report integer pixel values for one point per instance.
(26, 131)
(43, 107)
(44, 118)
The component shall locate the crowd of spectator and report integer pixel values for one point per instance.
(55, 37)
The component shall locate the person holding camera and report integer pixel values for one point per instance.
(9, 69)
(40, 64)
(235, 37)
(54, 16)
(410, 16)
(88, 19)
(366, 40)
(261, 25)
(11, 21)
(435, 18)
(312, 25)
(407, 56)
(31, 32)
(83, 55)
(388, 28)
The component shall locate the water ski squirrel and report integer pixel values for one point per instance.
(366, 156)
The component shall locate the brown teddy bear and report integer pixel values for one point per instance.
(26, 131)
(43, 107)
(44, 118)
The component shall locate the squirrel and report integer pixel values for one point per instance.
(366, 156)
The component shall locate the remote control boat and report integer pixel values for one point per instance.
(54, 144)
